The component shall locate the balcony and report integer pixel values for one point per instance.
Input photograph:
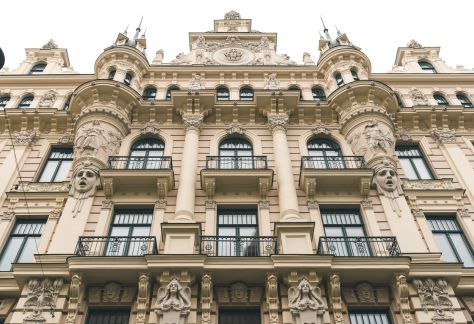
(133, 173)
(236, 174)
(116, 246)
(246, 246)
(334, 173)
(359, 246)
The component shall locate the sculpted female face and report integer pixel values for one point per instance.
(85, 180)
(387, 179)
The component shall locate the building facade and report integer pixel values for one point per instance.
(233, 185)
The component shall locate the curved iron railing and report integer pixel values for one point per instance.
(333, 162)
(236, 162)
(116, 246)
(238, 245)
(386, 246)
(140, 163)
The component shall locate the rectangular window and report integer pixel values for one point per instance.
(116, 316)
(451, 240)
(368, 317)
(237, 231)
(130, 233)
(22, 243)
(413, 162)
(343, 228)
(239, 316)
(57, 166)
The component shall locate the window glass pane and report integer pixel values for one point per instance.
(408, 169)
(141, 231)
(422, 168)
(445, 247)
(63, 171)
(463, 249)
(355, 231)
(48, 171)
(333, 231)
(30, 248)
(248, 231)
(119, 231)
(10, 252)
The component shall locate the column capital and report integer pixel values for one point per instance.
(444, 135)
(278, 122)
(192, 121)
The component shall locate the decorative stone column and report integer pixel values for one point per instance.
(287, 199)
(187, 179)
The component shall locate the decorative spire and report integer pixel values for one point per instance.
(125, 31)
(138, 30)
(143, 35)
(338, 32)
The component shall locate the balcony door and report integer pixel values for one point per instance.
(239, 316)
(235, 153)
(324, 154)
(146, 154)
(237, 232)
(129, 233)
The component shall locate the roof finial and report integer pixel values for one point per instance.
(338, 32)
(138, 30)
(126, 30)
(143, 35)
(320, 36)
(324, 26)
(326, 32)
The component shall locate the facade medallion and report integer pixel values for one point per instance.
(233, 56)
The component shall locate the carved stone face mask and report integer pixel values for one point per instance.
(387, 179)
(85, 180)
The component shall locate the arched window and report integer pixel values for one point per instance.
(440, 99)
(67, 103)
(324, 154)
(38, 68)
(296, 88)
(426, 67)
(149, 93)
(354, 75)
(146, 153)
(128, 78)
(339, 79)
(318, 94)
(399, 100)
(222, 93)
(4, 101)
(111, 74)
(235, 153)
(464, 100)
(169, 90)
(26, 101)
(246, 93)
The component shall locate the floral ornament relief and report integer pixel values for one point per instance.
(434, 296)
(41, 293)
(48, 99)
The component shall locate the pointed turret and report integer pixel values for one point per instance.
(327, 42)
(139, 42)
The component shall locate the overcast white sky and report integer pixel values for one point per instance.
(86, 27)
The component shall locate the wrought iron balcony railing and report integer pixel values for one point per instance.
(236, 162)
(375, 246)
(140, 163)
(238, 245)
(116, 246)
(333, 162)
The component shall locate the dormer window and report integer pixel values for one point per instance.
(354, 75)
(464, 100)
(111, 74)
(339, 79)
(26, 101)
(222, 93)
(440, 99)
(38, 68)
(128, 78)
(318, 94)
(426, 67)
(149, 93)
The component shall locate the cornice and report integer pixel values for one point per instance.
(423, 77)
(57, 80)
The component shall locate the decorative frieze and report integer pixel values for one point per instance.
(432, 184)
(25, 137)
(445, 135)
(418, 98)
(150, 128)
(41, 187)
(239, 294)
(365, 293)
(111, 293)
(196, 83)
(372, 139)
(48, 99)
(235, 128)
(271, 82)
(66, 138)
(320, 129)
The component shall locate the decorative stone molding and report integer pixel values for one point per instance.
(96, 139)
(387, 182)
(9, 214)
(414, 44)
(42, 293)
(48, 99)
(320, 129)
(150, 128)
(206, 298)
(264, 204)
(142, 297)
(160, 204)
(107, 204)
(367, 204)
(433, 184)
(173, 302)
(271, 294)
(232, 15)
(49, 45)
(196, 83)
(402, 297)
(57, 211)
(41, 187)
(271, 83)
(335, 297)
(239, 294)
(463, 212)
(305, 303)
(434, 296)
(192, 121)
(418, 98)
(85, 182)
(235, 128)
(74, 298)
(417, 212)
(403, 136)
(66, 139)
(365, 293)
(111, 293)
(278, 122)
(372, 139)
(25, 137)
(313, 204)
(445, 135)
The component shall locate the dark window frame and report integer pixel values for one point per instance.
(127, 80)
(61, 150)
(440, 99)
(111, 75)
(382, 311)
(222, 93)
(149, 93)
(354, 74)
(67, 103)
(26, 101)
(464, 100)
(246, 96)
(420, 155)
(4, 100)
(38, 68)
(399, 100)
(101, 311)
(339, 79)
(318, 93)
(427, 67)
